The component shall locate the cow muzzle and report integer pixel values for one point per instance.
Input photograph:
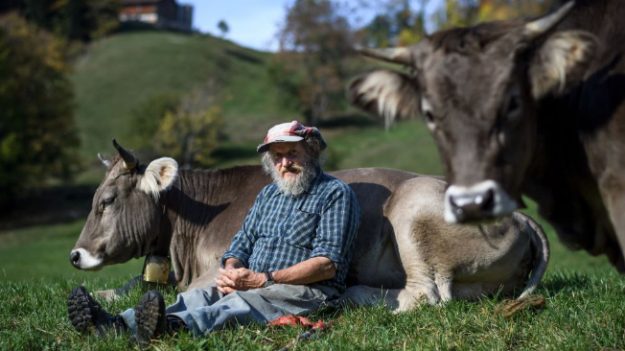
(478, 202)
(82, 259)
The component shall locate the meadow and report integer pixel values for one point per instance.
(584, 309)
(584, 295)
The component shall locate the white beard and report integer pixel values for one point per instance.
(291, 187)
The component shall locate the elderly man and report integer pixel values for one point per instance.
(290, 256)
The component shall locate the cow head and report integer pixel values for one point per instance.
(476, 88)
(126, 213)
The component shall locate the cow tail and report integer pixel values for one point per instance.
(540, 259)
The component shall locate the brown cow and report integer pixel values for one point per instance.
(516, 107)
(403, 242)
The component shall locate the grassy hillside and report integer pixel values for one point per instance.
(118, 73)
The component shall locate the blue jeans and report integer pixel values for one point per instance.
(206, 309)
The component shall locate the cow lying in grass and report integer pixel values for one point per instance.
(403, 243)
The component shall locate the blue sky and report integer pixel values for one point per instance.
(253, 23)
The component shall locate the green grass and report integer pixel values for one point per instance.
(42, 252)
(406, 145)
(584, 309)
(584, 312)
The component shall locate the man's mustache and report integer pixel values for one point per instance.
(293, 169)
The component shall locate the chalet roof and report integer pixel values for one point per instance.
(139, 2)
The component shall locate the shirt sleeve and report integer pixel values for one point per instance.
(243, 241)
(337, 227)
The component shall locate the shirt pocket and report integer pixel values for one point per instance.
(304, 223)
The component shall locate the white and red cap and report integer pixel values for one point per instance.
(289, 132)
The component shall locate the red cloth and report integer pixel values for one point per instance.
(293, 321)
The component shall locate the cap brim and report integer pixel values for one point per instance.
(281, 139)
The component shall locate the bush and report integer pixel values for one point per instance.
(38, 138)
(191, 133)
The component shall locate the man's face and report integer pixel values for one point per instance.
(291, 167)
(289, 159)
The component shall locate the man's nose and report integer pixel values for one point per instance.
(286, 160)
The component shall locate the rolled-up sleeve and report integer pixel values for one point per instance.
(337, 227)
(243, 241)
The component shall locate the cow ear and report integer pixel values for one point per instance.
(388, 94)
(561, 62)
(159, 175)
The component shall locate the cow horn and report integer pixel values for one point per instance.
(399, 55)
(129, 159)
(104, 161)
(543, 24)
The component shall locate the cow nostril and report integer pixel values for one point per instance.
(456, 209)
(74, 258)
(487, 201)
(452, 202)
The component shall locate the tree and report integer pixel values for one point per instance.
(191, 133)
(146, 119)
(223, 27)
(309, 68)
(71, 19)
(379, 32)
(468, 12)
(398, 24)
(38, 137)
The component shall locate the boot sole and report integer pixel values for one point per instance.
(150, 317)
(79, 308)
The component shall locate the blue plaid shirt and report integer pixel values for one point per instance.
(280, 231)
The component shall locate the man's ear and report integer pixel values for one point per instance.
(159, 175)
(561, 61)
(387, 94)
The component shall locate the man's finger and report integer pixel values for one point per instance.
(227, 281)
(220, 282)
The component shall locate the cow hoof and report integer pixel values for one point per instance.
(150, 317)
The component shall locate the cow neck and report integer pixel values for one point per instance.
(184, 207)
(167, 222)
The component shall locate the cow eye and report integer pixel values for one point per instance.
(106, 202)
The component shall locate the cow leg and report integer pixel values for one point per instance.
(612, 187)
(408, 299)
(420, 283)
(444, 285)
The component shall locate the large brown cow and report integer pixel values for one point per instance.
(516, 107)
(403, 242)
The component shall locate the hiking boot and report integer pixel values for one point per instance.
(150, 317)
(87, 316)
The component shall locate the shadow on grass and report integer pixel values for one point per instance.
(562, 282)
